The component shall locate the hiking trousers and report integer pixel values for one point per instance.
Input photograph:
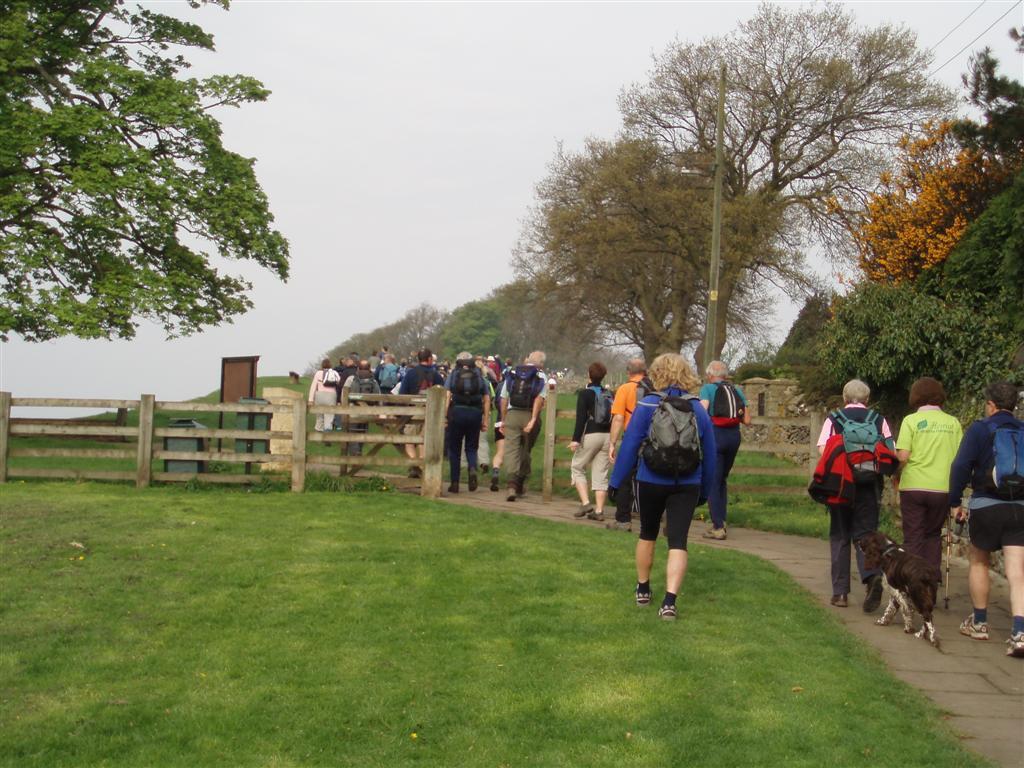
(518, 445)
(463, 427)
(923, 514)
(846, 525)
(727, 445)
(593, 453)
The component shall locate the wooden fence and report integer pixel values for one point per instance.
(391, 413)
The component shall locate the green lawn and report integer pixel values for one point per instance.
(230, 628)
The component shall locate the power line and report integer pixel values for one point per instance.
(951, 58)
(954, 29)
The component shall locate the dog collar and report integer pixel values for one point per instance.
(890, 548)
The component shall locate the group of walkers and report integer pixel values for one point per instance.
(679, 439)
(934, 463)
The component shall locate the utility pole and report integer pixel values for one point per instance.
(710, 329)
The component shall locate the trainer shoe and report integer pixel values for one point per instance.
(972, 630)
(718, 534)
(617, 526)
(1016, 643)
(583, 510)
(453, 488)
(599, 516)
(643, 598)
(494, 483)
(667, 612)
(511, 495)
(472, 481)
(839, 601)
(873, 598)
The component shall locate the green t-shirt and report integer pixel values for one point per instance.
(932, 437)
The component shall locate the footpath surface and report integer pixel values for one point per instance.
(974, 682)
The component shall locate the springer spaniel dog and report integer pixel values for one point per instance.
(912, 581)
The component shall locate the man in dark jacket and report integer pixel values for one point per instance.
(995, 521)
(419, 379)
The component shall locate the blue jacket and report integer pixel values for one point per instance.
(974, 458)
(639, 426)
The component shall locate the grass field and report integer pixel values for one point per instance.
(170, 627)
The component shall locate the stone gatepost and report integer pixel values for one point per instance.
(281, 422)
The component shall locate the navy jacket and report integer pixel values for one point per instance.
(413, 376)
(640, 424)
(974, 458)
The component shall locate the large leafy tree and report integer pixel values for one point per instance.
(814, 102)
(118, 200)
(621, 236)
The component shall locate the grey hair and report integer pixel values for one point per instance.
(636, 365)
(856, 391)
(464, 356)
(537, 358)
(717, 369)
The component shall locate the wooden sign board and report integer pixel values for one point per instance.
(237, 378)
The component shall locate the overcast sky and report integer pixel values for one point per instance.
(400, 149)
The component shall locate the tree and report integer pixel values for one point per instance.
(420, 327)
(813, 104)
(621, 236)
(889, 335)
(923, 209)
(118, 200)
(1001, 101)
(474, 327)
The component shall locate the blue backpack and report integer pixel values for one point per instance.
(388, 376)
(1008, 460)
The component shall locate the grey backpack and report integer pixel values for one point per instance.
(672, 447)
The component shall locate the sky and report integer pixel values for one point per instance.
(400, 149)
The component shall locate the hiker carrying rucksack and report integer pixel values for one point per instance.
(627, 396)
(468, 417)
(589, 445)
(670, 443)
(727, 406)
(991, 461)
(522, 396)
(849, 522)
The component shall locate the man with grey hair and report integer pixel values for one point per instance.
(849, 523)
(727, 406)
(522, 396)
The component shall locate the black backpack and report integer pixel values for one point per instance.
(672, 447)
(467, 388)
(727, 409)
(523, 386)
(602, 406)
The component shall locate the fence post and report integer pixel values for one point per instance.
(433, 443)
(144, 463)
(815, 421)
(550, 417)
(5, 432)
(299, 445)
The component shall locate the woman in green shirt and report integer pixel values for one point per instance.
(927, 444)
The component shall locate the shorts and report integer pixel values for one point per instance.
(998, 526)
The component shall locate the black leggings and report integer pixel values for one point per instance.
(676, 502)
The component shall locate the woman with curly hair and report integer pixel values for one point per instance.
(674, 497)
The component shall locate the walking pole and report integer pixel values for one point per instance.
(949, 553)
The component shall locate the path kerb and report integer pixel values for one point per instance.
(980, 689)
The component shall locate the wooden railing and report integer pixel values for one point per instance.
(391, 413)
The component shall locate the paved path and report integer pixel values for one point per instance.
(980, 687)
